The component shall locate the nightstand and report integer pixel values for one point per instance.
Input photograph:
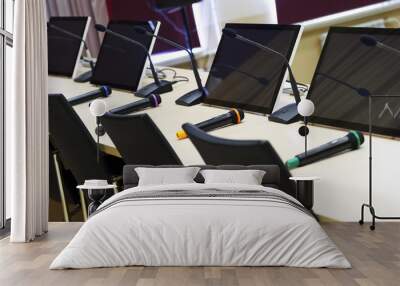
(305, 190)
(96, 195)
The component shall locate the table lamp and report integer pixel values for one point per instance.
(98, 108)
(305, 108)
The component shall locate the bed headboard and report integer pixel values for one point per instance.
(271, 178)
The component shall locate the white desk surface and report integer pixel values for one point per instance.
(344, 184)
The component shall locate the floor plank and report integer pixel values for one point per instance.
(375, 257)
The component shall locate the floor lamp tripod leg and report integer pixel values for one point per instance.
(372, 210)
(361, 221)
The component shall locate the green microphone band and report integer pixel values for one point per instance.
(359, 137)
(292, 163)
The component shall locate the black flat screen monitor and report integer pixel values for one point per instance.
(120, 64)
(347, 68)
(64, 51)
(243, 76)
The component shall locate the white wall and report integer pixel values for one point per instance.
(263, 11)
(212, 15)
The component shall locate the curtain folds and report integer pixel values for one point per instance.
(96, 9)
(27, 124)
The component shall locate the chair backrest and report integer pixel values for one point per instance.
(70, 137)
(220, 151)
(138, 140)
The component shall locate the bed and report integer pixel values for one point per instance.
(201, 224)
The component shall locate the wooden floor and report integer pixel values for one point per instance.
(375, 257)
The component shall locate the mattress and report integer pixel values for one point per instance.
(201, 225)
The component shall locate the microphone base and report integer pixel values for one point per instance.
(153, 88)
(286, 115)
(85, 77)
(191, 98)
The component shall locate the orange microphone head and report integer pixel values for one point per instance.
(181, 134)
(239, 115)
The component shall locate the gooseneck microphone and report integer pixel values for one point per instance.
(159, 86)
(235, 116)
(152, 101)
(287, 114)
(103, 91)
(370, 41)
(220, 67)
(193, 97)
(85, 77)
(352, 141)
(359, 90)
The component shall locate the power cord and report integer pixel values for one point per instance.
(303, 88)
(162, 75)
(175, 77)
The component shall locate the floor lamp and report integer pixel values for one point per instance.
(370, 41)
(370, 202)
(305, 108)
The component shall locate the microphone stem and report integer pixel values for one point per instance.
(98, 140)
(388, 48)
(68, 33)
(89, 55)
(76, 37)
(370, 147)
(91, 63)
(195, 70)
(153, 70)
(292, 79)
(191, 56)
(305, 137)
(188, 37)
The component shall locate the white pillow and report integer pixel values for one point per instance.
(166, 176)
(247, 177)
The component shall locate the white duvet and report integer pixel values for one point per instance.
(200, 231)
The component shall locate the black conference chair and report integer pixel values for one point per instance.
(76, 149)
(220, 151)
(138, 140)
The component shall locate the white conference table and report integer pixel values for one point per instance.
(344, 178)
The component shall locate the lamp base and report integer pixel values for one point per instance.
(153, 88)
(100, 131)
(286, 115)
(85, 77)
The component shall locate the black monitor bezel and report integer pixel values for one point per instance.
(143, 64)
(344, 125)
(247, 107)
(78, 55)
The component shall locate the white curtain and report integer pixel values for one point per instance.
(212, 15)
(27, 124)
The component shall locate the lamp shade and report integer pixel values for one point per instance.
(98, 107)
(305, 107)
